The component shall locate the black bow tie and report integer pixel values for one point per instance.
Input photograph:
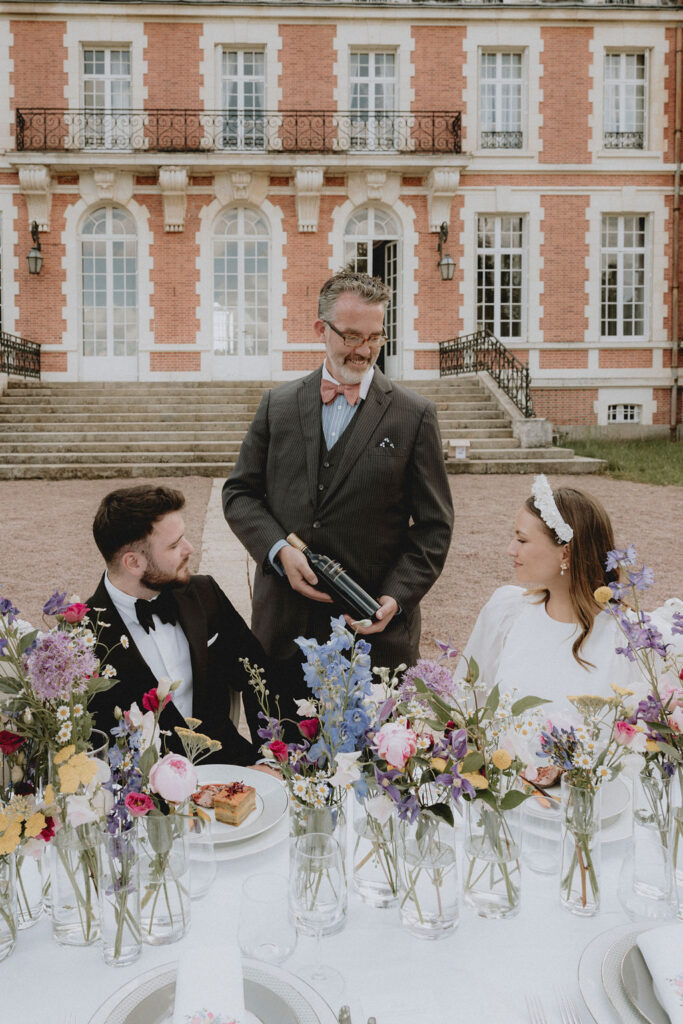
(164, 606)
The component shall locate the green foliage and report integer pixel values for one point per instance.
(658, 461)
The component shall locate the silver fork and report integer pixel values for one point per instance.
(568, 1010)
(535, 1010)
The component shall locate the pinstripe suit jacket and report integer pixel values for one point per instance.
(387, 515)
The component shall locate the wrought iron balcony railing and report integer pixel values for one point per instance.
(624, 140)
(19, 356)
(483, 351)
(501, 140)
(285, 131)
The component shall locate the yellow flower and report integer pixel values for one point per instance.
(501, 759)
(652, 746)
(65, 753)
(477, 780)
(10, 840)
(603, 595)
(34, 825)
(79, 769)
(438, 764)
(49, 795)
(621, 690)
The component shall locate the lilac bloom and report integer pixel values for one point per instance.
(56, 603)
(616, 558)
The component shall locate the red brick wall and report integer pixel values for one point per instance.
(670, 104)
(438, 59)
(567, 406)
(614, 358)
(173, 56)
(308, 255)
(564, 267)
(174, 362)
(438, 309)
(564, 359)
(38, 53)
(426, 360)
(40, 299)
(307, 58)
(566, 82)
(662, 397)
(174, 275)
(53, 362)
(302, 362)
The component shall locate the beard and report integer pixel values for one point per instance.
(155, 578)
(347, 373)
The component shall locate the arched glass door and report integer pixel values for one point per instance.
(371, 246)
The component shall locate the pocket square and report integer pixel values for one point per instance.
(214, 637)
(386, 442)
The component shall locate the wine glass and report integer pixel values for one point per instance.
(202, 857)
(266, 929)
(317, 898)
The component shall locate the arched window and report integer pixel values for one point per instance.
(240, 284)
(371, 246)
(109, 284)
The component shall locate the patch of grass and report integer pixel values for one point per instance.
(647, 462)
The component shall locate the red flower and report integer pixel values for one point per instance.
(49, 830)
(75, 612)
(138, 803)
(309, 727)
(150, 701)
(10, 741)
(279, 750)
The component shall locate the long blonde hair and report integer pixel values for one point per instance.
(593, 538)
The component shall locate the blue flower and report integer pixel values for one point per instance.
(616, 558)
(642, 579)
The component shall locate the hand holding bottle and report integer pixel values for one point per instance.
(300, 575)
(388, 608)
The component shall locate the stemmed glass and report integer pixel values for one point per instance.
(317, 898)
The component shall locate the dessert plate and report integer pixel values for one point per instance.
(637, 982)
(271, 801)
(600, 976)
(615, 800)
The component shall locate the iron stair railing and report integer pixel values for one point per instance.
(483, 351)
(19, 357)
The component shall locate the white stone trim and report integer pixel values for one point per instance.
(277, 265)
(74, 216)
(503, 37)
(364, 34)
(502, 201)
(35, 185)
(173, 183)
(241, 34)
(407, 336)
(625, 396)
(98, 31)
(308, 185)
(7, 91)
(12, 251)
(639, 38)
(625, 201)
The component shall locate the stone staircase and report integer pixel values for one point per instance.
(81, 430)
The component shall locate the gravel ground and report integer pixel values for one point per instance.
(46, 540)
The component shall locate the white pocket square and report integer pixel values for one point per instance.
(214, 637)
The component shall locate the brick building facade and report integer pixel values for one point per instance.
(197, 171)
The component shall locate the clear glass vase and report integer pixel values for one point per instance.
(676, 844)
(329, 820)
(202, 857)
(119, 891)
(8, 905)
(74, 885)
(30, 882)
(580, 862)
(429, 901)
(646, 883)
(492, 868)
(375, 853)
(165, 872)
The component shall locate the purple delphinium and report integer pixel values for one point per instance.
(641, 579)
(641, 635)
(8, 610)
(617, 557)
(55, 604)
(60, 664)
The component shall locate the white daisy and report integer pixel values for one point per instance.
(64, 733)
(125, 642)
(583, 761)
(78, 710)
(108, 672)
(89, 639)
(62, 713)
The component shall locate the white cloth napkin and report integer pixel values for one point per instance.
(662, 949)
(209, 982)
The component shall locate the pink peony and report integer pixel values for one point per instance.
(174, 778)
(309, 727)
(279, 750)
(75, 612)
(624, 733)
(138, 803)
(396, 743)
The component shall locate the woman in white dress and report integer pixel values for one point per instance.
(548, 637)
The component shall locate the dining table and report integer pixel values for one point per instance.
(485, 970)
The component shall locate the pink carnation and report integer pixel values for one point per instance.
(174, 778)
(138, 803)
(396, 743)
(75, 612)
(624, 733)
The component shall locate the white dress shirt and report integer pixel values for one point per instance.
(338, 414)
(165, 648)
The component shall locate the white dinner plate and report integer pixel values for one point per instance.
(600, 976)
(637, 982)
(271, 801)
(615, 799)
(272, 996)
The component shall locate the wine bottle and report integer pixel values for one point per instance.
(335, 580)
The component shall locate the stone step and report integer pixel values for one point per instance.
(45, 435)
(73, 458)
(484, 443)
(114, 470)
(486, 433)
(493, 454)
(493, 419)
(185, 419)
(138, 387)
(147, 448)
(577, 464)
(114, 406)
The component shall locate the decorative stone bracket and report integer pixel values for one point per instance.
(384, 186)
(36, 186)
(308, 183)
(173, 183)
(248, 186)
(442, 184)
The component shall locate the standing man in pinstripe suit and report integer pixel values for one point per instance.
(352, 464)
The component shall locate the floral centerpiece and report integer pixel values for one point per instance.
(23, 824)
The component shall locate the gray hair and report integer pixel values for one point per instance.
(369, 289)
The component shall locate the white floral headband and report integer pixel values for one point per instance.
(550, 514)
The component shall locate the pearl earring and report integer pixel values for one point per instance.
(563, 569)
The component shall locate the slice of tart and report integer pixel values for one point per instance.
(233, 803)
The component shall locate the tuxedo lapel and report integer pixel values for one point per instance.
(192, 618)
(135, 676)
(371, 412)
(311, 428)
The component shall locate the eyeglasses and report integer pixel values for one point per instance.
(355, 340)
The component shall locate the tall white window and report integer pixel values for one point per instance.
(109, 284)
(624, 117)
(243, 97)
(500, 266)
(106, 86)
(622, 266)
(373, 100)
(500, 101)
(240, 284)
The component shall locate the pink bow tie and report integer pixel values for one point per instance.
(329, 391)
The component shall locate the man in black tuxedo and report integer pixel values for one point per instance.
(161, 621)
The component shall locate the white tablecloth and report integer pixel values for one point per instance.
(480, 973)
